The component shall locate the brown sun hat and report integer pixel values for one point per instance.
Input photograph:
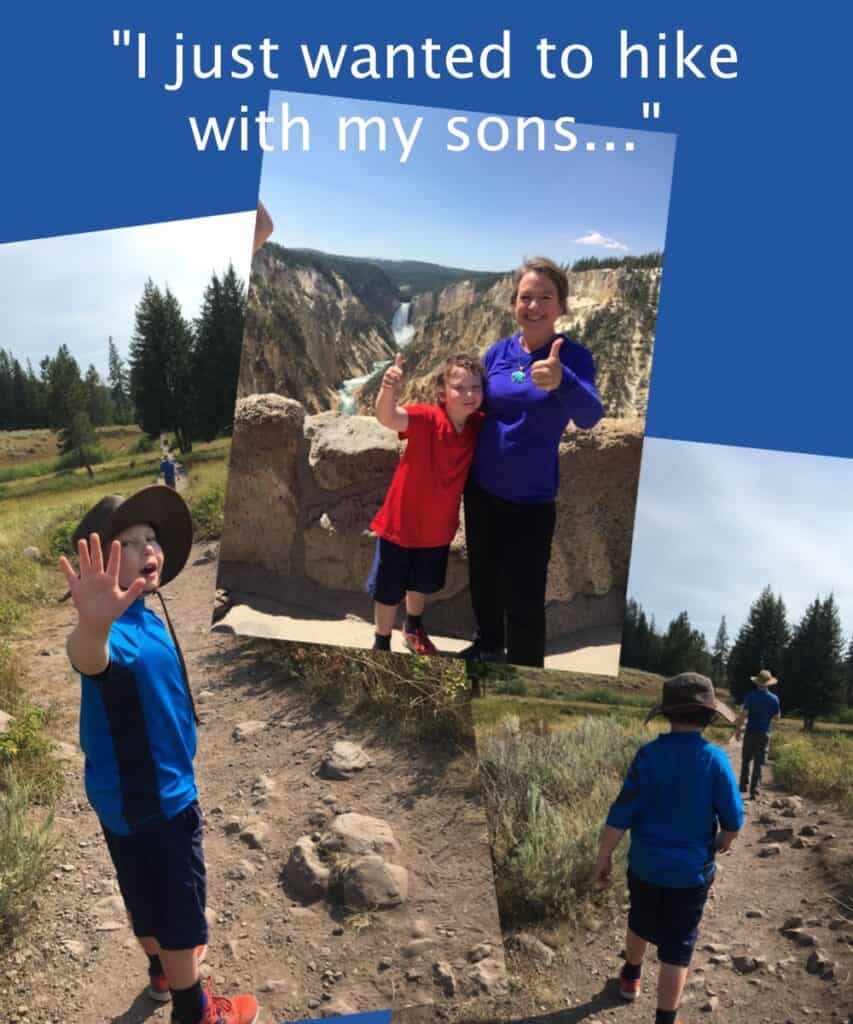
(157, 505)
(690, 691)
(764, 678)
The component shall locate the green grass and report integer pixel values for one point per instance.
(547, 795)
(26, 850)
(28, 777)
(819, 765)
(419, 698)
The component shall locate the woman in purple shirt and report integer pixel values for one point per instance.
(536, 382)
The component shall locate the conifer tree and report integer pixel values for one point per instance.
(761, 643)
(161, 384)
(216, 357)
(814, 679)
(119, 384)
(720, 655)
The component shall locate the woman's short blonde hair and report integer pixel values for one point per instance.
(553, 271)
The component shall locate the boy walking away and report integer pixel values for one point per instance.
(760, 709)
(420, 516)
(679, 791)
(138, 732)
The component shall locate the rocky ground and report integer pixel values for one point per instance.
(775, 945)
(400, 825)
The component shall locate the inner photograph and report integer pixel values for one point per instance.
(443, 384)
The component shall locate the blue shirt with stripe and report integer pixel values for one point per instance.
(761, 707)
(137, 728)
(517, 456)
(679, 790)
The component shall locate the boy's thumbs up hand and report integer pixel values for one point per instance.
(547, 374)
(393, 376)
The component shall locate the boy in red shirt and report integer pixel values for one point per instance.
(420, 515)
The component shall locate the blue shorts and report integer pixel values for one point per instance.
(396, 570)
(667, 917)
(162, 879)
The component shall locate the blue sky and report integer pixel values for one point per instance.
(79, 290)
(477, 210)
(715, 524)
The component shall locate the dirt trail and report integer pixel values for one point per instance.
(78, 960)
(745, 971)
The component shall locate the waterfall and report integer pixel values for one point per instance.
(403, 330)
(403, 333)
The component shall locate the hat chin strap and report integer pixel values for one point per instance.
(180, 652)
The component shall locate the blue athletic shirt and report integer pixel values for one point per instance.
(679, 789)
(137, 728)
(761, 706)
(517, 456)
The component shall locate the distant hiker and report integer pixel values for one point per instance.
(138, 732)
(536, 383)
(420, 515)
(760, 709)
(679, 790)
(167, 468)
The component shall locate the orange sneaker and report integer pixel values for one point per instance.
(629, 988)
(158, 984)
(219, 1010)
(418, 642)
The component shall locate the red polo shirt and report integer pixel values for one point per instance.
(421, 507)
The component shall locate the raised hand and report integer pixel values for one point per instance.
(393, 376)
(96, 593)
(547, 374)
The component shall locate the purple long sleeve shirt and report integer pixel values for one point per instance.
(517, 455)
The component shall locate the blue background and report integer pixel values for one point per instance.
(752, 345)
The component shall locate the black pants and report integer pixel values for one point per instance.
(755, 747)
(509, 546)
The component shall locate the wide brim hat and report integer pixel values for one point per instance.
(764, 678)
(690, 691)
(158, 505)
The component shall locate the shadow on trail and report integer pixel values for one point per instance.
(606, 999)
(141, 1009)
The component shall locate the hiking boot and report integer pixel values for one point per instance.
(478, 653)
(629, 989)
(418, 642)
(219, 1010)
(158, 984)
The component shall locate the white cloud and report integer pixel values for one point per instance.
(596, 238)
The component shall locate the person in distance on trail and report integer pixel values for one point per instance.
(420, 514)
(681, 802)
(167, 468)
(138, 732)
(536, 383)
(760, 709)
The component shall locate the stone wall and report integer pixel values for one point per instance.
(303, 490)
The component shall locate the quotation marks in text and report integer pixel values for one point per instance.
(651, 110)
(124, 37)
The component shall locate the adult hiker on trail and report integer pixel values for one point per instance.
(420, 514)
(760, 709)
(537, 382)
(681, 803)
(138, 732)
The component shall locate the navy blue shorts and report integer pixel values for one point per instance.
(668, 918)
(396, 570)
(162, 879)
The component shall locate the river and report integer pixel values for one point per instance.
(403, 333)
